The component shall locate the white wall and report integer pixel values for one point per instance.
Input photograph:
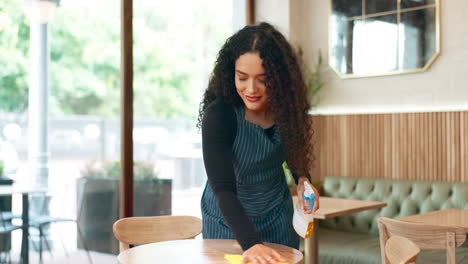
(444, 87)
(275, 12)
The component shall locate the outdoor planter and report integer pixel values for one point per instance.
(98, 207)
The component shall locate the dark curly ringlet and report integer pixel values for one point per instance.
(285, 87)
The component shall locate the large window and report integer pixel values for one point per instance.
(175, 44)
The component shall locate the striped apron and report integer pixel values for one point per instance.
(261, 187)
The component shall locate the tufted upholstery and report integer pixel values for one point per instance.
(354, 238)
(403, 198)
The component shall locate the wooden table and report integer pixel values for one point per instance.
(195, 251)
(25, 191)
(447, 217)
(331, 207)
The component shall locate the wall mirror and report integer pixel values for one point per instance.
(382, 37)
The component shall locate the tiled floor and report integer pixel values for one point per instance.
(74, 257)
(58, 253)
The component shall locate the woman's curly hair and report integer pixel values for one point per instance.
(287, 93)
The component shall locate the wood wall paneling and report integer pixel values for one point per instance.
(423, 146)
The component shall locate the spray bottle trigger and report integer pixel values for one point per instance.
(311, 200)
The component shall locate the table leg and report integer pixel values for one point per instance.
(25, 239)
(311, 246)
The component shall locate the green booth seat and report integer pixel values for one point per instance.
(355, 238)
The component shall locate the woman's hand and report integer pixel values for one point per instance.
(300, 190)
(261, 254)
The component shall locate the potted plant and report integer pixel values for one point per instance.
(98, 200)
(313, 77)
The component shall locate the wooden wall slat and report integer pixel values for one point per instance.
(421, 146)
(395, 146)
(425, 146)
(457, 149)
(388, 170)
(404, 146)
(440, 157)
(410, 145)
(438, 146)
(357, 144)
(427, 143)
(448, 145)
(463, 147)
(344, 147)
(443, 150)
(430, 142)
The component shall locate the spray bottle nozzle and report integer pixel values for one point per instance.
(309, 195)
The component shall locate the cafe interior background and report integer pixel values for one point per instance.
(391, 105)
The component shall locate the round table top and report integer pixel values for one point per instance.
(202, 251)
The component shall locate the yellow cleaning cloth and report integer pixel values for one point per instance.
(237, 259)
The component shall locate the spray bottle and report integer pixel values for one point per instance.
(304, 223)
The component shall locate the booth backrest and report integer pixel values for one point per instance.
(403, 198)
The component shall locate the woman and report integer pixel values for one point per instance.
(254, 118)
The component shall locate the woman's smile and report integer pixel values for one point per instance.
(253, 99)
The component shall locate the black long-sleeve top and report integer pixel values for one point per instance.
(219, 128)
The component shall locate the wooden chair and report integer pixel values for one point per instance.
(144, 230)
(400, 250)
(424, 236)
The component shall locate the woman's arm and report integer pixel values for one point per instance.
(218, 133)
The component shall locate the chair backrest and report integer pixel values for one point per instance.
(144, 230)
(400, 250)
(424, 236)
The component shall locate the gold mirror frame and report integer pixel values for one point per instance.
(398, 11)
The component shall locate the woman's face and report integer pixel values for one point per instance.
(250, 81)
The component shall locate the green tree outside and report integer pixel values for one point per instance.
(173, 52)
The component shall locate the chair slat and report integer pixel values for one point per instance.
(400, 250)
(144, 230)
